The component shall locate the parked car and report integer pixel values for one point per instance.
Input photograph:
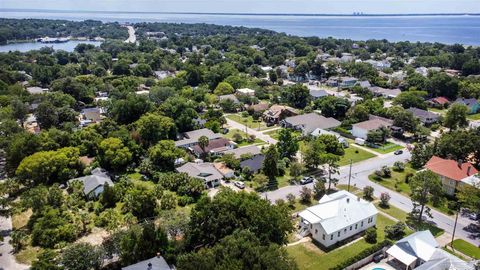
(377, 258)
(239, 184)
(306, 180)
(398, 152)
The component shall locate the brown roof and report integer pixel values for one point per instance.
(260, 107)
(450, 168)
(440, 100)
(216, 144)
(373, 124)
(276, 110)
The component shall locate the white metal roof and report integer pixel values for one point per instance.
(338, 210)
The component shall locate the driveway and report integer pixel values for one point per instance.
(360, 173)
(7, 260)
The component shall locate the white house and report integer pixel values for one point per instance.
(420, 251)
(246, 91)
(360, 130)
(337, 217)
(205, 171)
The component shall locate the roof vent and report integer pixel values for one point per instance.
(348, 200)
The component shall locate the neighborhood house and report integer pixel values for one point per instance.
(452, 173)
(94, 184)
(205, 171)
(307, 123)
(361, 130)
(336, 217)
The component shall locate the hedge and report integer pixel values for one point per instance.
(365, 253)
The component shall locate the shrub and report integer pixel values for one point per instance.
(398, 166)
(364, 253)
(306, 195)
(371, 235)
(408, 176)
(291, 200)
(395, 231)
(386, 172)
(384, 199)
(368, 193)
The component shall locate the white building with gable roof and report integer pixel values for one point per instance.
(337, 217)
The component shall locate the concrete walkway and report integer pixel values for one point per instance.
(7, 260)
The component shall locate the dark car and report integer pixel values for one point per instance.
(398, 152)
(377, 258)
(306, 180)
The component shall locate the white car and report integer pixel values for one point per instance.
(239, 184)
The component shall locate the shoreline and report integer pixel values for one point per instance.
(246, 13)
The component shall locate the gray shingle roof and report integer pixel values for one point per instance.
(91, 182)
(155, 263)
(238, 152)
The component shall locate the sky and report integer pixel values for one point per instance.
(255, 6)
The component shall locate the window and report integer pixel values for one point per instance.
(311, 226)
(361, 224)
(331, 237)
(351, 228)
(316, 231)
(356, 226)
(345, 230)
(338, 234)
(323, 236)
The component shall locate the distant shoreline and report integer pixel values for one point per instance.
(243, 14)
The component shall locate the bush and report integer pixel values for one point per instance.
(368, 193)
(408, 176)
(386, 172)
(291, 200)
(364, 253)
(371, 235)
(384, 199)
(398, 166)
(395, 231)
(306, 195)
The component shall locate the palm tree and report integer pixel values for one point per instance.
(203, 142)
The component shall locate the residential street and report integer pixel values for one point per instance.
(360, 172)
(7, 260)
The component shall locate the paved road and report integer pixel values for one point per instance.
(258, 134)
(131, 35)
(7, 260)
(360, 172)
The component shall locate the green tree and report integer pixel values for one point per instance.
(225, 255)
(287, 144)
(331, 161)
(223, 88)
(164, 154)
(213, 219)
(270, 168)
(52, 227)
(319, 190)
(332, 106)
(456, 116)
(313, 153)
(368, 193)
(296, 95)
(46, 260)
(140, 201)
(49, 166)
(19, 110)
(143, 70)
(296, 170)
(421, 154)
(371, 235)
(305, 195)
(261, 180)
(113, 155)
(410, 99)
(425, 186)
(81, 256)
(153, 128)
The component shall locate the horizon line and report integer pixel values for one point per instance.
(353, 14)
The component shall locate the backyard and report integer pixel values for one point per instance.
(466, 248)
(231, 133)
(253, 124)
(309, 256)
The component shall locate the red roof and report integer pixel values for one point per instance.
(450, 168)
(440, 100)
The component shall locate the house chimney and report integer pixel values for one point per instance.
(459, 162)
(469, 169)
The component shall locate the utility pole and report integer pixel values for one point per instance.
(454, 227)
(349, 175)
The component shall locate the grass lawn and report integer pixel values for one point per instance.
(308, 256)
(439, 111)
(474, 116)
(355, 154)
(232, 132)
(466, 248)
(274, 134)
(396, 181)
(28, 255)
(20, 220)
(393, 211)
(257, 125)
(283, 181)
(387, 148)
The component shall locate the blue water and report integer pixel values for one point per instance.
(27, 46)
(444, 29)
